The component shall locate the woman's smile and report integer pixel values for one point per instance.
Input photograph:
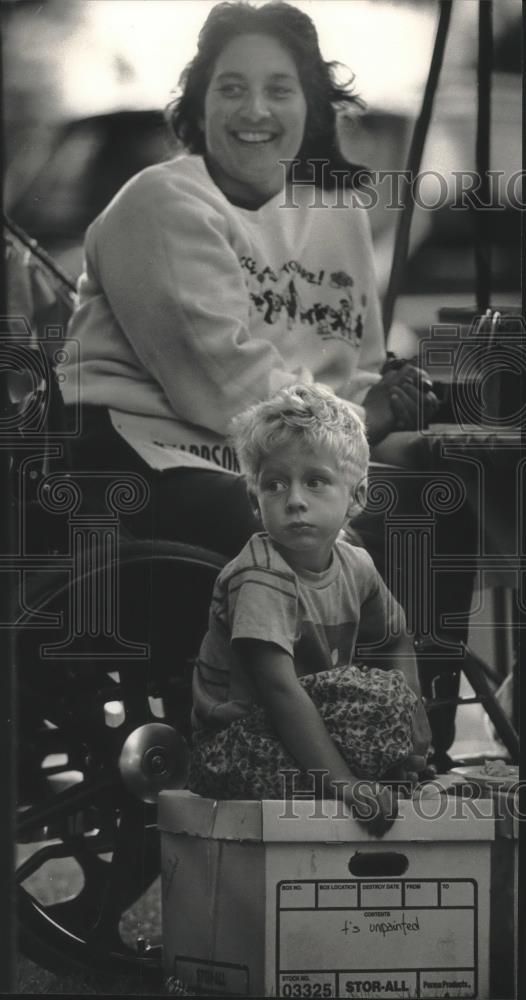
(254, 137)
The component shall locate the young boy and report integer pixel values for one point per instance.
(275, 688)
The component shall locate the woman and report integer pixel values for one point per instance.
(205, 291)
(226, 273)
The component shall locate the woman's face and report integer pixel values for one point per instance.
(254, 116)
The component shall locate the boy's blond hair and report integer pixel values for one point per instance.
(309, 415)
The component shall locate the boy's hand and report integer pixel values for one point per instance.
(374, 805)
(421, 731)
(408, 774)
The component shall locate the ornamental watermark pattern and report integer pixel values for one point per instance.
(483, 363)
(427, 800)
(458, 190)
(62, 543)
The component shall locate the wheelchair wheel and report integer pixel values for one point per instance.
(88, 848)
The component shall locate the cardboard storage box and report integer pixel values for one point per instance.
(504, 944)
(273, 899)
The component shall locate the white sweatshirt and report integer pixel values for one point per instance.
(190, 309)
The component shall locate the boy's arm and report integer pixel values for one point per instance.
(302, 730)
(402, 657)
(383, 622)
(294, 715)
(397, 652)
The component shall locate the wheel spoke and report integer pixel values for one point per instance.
(64, 803)
(134, 695)
(126, 881)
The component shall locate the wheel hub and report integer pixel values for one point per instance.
(154, 757)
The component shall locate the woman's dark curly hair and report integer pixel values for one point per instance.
(295, 31)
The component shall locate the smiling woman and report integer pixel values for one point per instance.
(205, 289)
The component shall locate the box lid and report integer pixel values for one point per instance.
(221, 819)
(433, 818)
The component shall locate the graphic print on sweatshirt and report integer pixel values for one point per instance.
(324, 300)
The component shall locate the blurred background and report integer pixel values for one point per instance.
(86, 81)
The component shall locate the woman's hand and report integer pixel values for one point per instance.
(402, 400)
(411, 395)
(380, 418)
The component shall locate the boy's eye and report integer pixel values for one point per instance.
(316, 482)
(274, 486)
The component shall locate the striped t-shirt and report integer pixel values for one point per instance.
(318, 618)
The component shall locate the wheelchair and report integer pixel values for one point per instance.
(99, 735)
(107, 627)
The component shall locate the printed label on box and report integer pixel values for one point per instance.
(306, 984)
(297, 894)
(211, 978)
(454, 984)
(360, 984)
(339, 894)
(388, 937)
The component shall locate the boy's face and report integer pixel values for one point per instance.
(303, 499)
